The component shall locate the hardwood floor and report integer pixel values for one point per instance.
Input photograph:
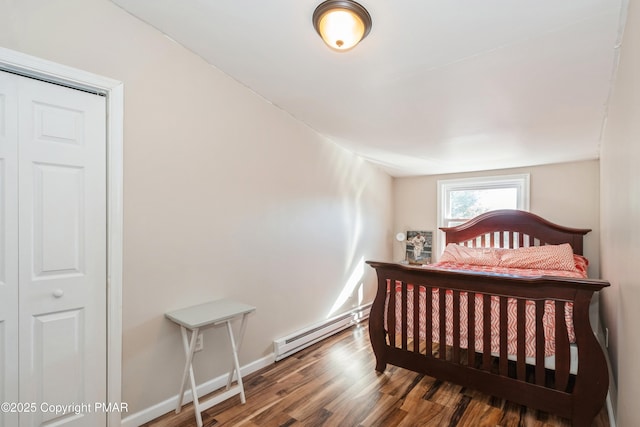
(333, 383)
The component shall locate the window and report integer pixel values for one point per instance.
(462, 199)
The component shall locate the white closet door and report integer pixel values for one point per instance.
(62, 254)
(8, 245)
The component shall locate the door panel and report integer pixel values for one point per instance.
(58, 124)
(62, 251)
(8, 245)
(58, 221)
(60, 366)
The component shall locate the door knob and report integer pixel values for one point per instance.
(58, 293)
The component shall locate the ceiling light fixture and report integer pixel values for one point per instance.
(341, 23)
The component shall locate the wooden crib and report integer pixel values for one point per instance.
(574, 389)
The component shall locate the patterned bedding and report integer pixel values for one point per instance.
(578, 271)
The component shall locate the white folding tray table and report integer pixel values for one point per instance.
(194, 318)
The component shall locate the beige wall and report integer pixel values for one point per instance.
(567, 194)
(224, 194)
(620, 222)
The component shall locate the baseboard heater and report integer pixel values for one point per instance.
(301, 339)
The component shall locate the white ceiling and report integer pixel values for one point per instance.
(438, 86)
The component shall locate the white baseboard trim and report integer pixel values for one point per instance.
(612, 418)
(169, 405)
(612, 384)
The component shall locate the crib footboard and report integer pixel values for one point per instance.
(507, 336)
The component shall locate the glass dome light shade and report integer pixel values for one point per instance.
(341, 24)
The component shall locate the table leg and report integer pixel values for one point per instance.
(189, 349)
(236, 349)
(236, 363)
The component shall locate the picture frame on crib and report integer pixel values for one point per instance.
(419, 247)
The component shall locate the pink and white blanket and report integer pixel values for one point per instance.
(507, 263)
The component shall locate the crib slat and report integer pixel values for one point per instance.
(471, 328)
(404, 322)
(531, 241)
(428, 292)
(391, 314)
(504, 361)
(540, 339)
(563, 361)
(416, 318)
(520, 240)
(521, 362)
(456, 326)
(442, 310)
(486, 332)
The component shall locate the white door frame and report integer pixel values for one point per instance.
(30, 66)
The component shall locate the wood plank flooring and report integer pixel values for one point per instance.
(334, 383)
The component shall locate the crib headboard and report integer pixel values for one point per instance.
(508, 228)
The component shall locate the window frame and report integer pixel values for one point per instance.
(521, 182)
